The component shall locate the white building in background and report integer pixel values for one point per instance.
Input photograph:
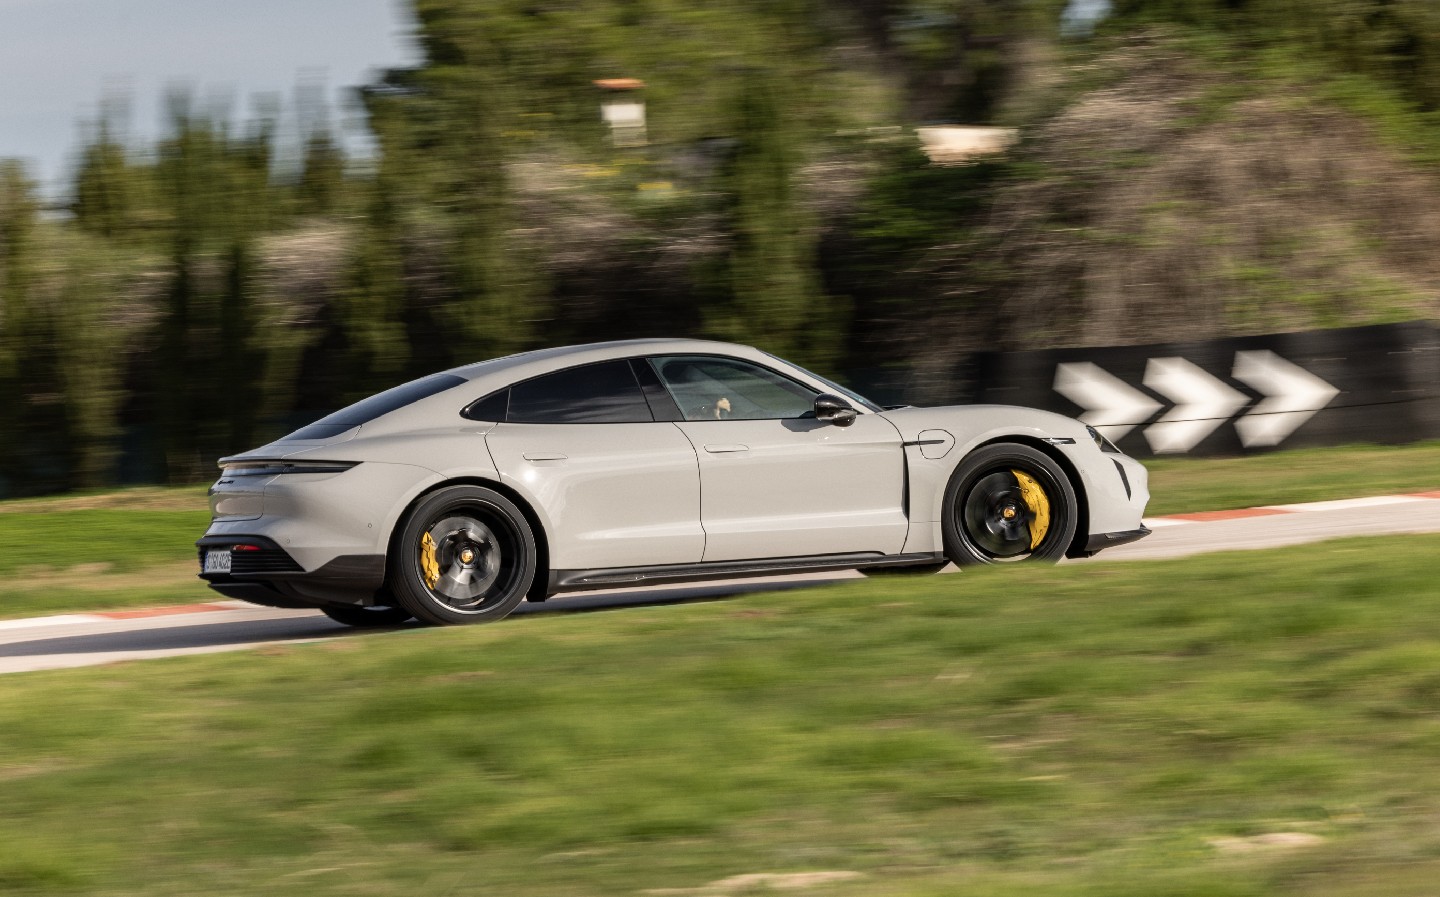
(623, 110)
(955, 144)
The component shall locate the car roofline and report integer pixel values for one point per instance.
(534, 363)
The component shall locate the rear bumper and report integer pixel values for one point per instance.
(272, 577)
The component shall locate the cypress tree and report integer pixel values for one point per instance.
(104, 194)
(17, 222)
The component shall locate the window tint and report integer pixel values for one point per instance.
(710, 388)
(366, 410)
(839, 390)
(491, 407)
(604, 393)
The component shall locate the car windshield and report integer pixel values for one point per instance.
(850, 394)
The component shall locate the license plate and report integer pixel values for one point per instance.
(217, 562)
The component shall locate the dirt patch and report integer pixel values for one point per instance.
(29, 770)
(752, 882)
(149, 498)
(1267, 841)
(83, 578)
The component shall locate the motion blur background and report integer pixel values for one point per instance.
(779, 172)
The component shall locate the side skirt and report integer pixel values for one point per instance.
(582, 580)
(1101, 541)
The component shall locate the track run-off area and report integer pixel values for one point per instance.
(75, 640)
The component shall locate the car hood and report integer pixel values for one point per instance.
(968, 421)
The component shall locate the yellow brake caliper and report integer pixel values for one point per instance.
(428, 562)
(1039, 505)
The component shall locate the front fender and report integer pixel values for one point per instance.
(1109, 507)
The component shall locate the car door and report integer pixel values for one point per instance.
(619, 488)
(776, 482)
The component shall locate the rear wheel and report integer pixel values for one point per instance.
(464, 554)
(376, 617)
(1006, 503)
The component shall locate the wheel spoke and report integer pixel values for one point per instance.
(466, 555)
(997, 516)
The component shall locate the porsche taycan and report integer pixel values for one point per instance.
(455, 497)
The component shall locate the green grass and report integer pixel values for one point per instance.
(123, 548)
(1083, 730)
(124, 541)
(1182, 485)
(121, 531)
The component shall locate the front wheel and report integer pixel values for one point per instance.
(1008, 502)
(464, 554)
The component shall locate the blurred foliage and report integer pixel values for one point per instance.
(1394, 40)
(210, 292)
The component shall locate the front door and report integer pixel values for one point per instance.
(774, 481)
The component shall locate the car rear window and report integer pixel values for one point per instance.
(366, 410)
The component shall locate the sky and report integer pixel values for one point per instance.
(60, 59)
(1081, 15)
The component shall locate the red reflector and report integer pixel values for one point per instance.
(246, 548)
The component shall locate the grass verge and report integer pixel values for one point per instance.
(1183, 485)
(1124, 729)
(123, 548)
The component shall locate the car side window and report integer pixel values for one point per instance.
(604, 393)
(712, 388)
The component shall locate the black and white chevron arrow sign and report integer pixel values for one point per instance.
(1200, 401)
(1378, 383)
(1292, 396)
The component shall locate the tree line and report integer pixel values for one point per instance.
(194, 298)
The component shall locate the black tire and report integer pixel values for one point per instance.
(908, 570)
(483, 555)
(376, 617)
(988, 517)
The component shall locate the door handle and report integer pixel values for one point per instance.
(543, 456)
(722, 449)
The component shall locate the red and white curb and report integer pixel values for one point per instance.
(129, 614)
(1344, 504)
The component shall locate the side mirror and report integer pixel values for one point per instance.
(834, 410)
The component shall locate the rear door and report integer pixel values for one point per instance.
(620, 489)
(776, 482)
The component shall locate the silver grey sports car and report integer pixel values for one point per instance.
(453, 498)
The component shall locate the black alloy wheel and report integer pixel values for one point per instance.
(465, 554)
(1006, 503)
